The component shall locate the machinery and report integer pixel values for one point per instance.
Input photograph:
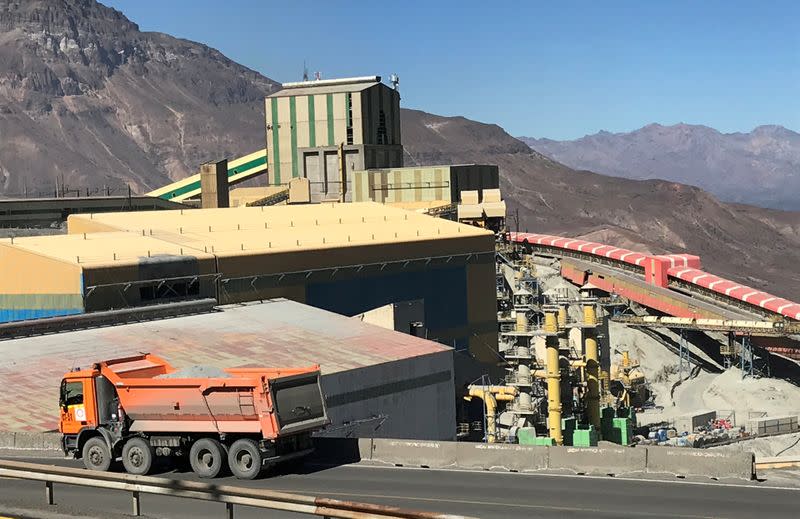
(628, 383)
(140, 407)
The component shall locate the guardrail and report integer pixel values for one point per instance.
(230, 495)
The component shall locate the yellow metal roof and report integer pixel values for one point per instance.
(281, 228)
(102, 248)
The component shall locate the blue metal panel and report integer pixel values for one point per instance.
(22, 314)
(443, 290)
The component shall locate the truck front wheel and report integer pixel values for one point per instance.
(137, 456)
(244, 459)
(96, 454)
(207, 457)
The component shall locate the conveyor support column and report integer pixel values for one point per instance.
(553, 377)
(592, 364)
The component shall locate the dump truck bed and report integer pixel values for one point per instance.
(244, 400)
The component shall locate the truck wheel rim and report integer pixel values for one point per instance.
(206, 458)
(96, 456)
(135, 457)
(244, 460)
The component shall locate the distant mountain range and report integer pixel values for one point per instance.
(761, 167)
(88, 99)
(87, 95)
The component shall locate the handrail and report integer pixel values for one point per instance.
(230, 495)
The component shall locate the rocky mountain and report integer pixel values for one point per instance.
(760, 247)
(761, 167)
(88, 99)
(87, 95)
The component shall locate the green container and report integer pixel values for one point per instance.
(544, 441)
(622, 432)
(586, 436)
(527, 436)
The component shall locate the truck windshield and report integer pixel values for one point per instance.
(71, 393)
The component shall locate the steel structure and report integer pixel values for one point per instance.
(680, 272)
(239, 170)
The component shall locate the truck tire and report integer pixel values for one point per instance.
(207, 457)
(137, 456)
(96, 455)
(244, 459)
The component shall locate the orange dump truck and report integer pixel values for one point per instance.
(140, 408)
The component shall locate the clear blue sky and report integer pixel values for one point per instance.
(557, 69)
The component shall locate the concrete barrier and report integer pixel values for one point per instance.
(598, 460)
(700, 462)
(7, 440)
(414, 453)
(499, 456)
(30, 441)
(502, 457)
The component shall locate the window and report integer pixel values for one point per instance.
(71, 393)
(349, 118)
(383, 138)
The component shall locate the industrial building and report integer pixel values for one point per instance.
(325, 130)
(342, 138)
(423, 183)
(43, 212)
(377, 382)
(347, 258)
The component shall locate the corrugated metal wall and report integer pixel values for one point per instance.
(306, 121)
(34, 286)
(176, 271)
(423, 184)
(321, 120)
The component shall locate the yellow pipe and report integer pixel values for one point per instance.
(553, 380)
(522, 322)
(496, 390)
(490, 395)
(550, 323)
(592, 367)
(562, 316)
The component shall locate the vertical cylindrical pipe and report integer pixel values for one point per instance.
(562, 317)
(522, 321)
(592, 366)
(491, 417)
(553, 378)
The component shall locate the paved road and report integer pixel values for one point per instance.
(481, 494)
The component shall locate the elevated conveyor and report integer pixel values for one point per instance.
(239, 170)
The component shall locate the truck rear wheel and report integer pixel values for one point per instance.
(137, 456)
(244, 459)
(96, 455)
(207, 457)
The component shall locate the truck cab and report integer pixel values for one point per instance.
(87, 400)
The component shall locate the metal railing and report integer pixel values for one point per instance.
(230, 495)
